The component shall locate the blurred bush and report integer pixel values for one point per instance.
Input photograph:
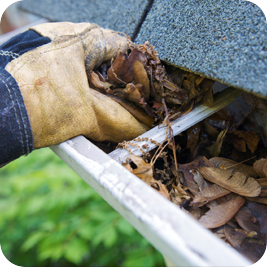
(50, 217)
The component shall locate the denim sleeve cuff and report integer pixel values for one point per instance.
(15, 130)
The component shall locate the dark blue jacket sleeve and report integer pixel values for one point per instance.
(15, 129)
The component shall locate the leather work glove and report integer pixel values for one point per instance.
(54, 86)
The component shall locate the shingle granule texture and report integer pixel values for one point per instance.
(220, 39)
(117, 15)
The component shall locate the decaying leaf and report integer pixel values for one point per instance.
(251, 138)
(121, 69)
(243, 217)
(229, 164)
(252, 249)
(260, 166)
(96, 83)
(188, 175)
(144, 171)
(210, 130)
(192, 137)
(263, 183)
(262, 200)
(215, 148)
(235, 236)
(260, 212)
(220, 214)
(161, 188)
(140, 76)
(132, 93)
(198, 178)
(236, 182)
(238, 143)
(207, 98)
(178, 194)
(195, 212)
(208, 194)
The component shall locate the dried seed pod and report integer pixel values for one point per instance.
(260, 166)
(229, 164)
(233, 181)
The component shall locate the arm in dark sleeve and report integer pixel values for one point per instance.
(15, 130)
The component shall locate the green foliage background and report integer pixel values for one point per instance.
(50, 217)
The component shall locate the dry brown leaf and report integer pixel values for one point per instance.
(207, 98)
(232, 223)
(181, 190)
(234, 236)
(215, 148)
(229, 164)
(260, 166)
(260, 212)
(95, 82)
(189, 177)
(140, 76)
(238, 143)
(251, 248)
(192, 137)
(161, 188)
(262, 200)
(220, 214)
(144, 170)
(121, 69)
(233, 181)
(175, 198)
(198, 178)
(263, 183)
(195, 212)
(210, 130)
(252, 139)
(178, 194)
(132, 93)
(243, 217)
(208, 194)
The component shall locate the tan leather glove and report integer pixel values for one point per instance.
(53, 82)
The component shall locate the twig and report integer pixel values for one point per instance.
(156, 155)
(171, 136)
(240, 162)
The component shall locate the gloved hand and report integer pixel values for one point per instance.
(53, 82)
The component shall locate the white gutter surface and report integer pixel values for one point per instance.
(169, 229)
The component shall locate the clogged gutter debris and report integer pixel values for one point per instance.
(218, 176)
(215, 171)
(141, 83)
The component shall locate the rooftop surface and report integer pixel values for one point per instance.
(123, 16)
(225, 40)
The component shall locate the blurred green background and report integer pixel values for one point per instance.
(50, 217)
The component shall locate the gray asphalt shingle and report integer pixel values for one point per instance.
(225, 40)
(122, 16)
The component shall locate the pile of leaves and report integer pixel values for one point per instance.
(218, 176)
(214, 171)
(141, 83)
